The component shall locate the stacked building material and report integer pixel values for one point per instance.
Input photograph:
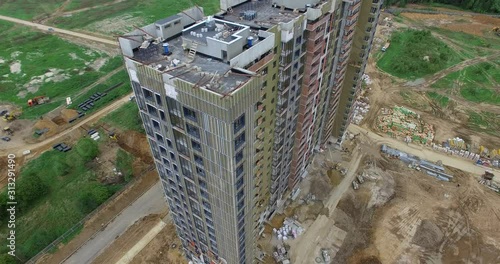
(405, 124)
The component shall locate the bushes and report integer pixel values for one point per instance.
(92, 196)
(88, 149)
(30, 188)
(8, 259)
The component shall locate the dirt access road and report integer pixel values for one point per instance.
(306, 246)
(41, 146)
(417, 150)
(59, 31)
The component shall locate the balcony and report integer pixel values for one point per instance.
(355, 6)
(348, 36)
(257, 66)
(260, 135)
(260, 120)
(259, 144)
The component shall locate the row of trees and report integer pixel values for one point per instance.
(481, 6)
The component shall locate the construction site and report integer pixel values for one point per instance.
(415, 180)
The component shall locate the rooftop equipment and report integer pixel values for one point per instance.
(210, 23)
(250, 41)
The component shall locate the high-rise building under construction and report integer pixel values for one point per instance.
(235, 104)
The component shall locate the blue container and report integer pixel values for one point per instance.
(165, 48)
(250, 41)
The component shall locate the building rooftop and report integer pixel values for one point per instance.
(203, 71)
(211, 53)
(261, 14)
(223, 31)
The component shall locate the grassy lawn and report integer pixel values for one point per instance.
(28, 9)
(124, 15)
(476, 82)
(485, 122)
(126, 117)
(405, 56)
(34, 63)
(440, 99)
(51, 199)
(78, 4)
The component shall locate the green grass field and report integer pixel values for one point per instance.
(37, 54)
(405, 56)
(440, 99)
(473, 45)
(145, 12)
(126, 117)
(67, 191)
(78, 4)
(28, 9)
(476, 83)
(485, 122)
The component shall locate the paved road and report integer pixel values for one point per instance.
(417, 150)
(151, 202)
(60, 31)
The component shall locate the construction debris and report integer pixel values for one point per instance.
(458, 147)
(281, 254)
(361, 108)
(291, 229)
(405, 124)
(487, 180)
(415, 162)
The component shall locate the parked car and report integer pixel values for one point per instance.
(6, 138)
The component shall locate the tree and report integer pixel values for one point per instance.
(8, 259)
(29, 189)
(87, 148)
(92, 196)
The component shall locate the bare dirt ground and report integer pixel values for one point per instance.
(419, 219)
(388, 91)
(478, 25)
(163, 249)
(399, 215)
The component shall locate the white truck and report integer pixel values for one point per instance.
(386, 46)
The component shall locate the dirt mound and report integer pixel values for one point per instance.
(137, 144)
(428, 235)
(47, 124)
(321, 187)
(370, 260)
(68, 114)
(383, 190)
(311, 212)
